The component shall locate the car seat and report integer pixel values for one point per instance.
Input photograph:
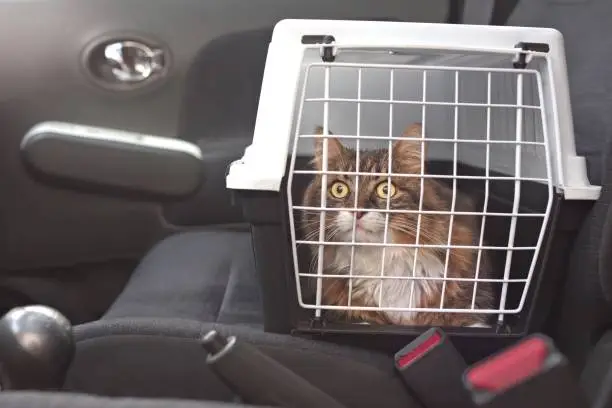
(533, 373)
(583, 309)
(163, 358)
(207, 276)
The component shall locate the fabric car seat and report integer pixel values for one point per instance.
(162, 358)
(595, 381)
(585, 305)
(584, 309)
(207, 276)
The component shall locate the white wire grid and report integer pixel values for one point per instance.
(519, 142)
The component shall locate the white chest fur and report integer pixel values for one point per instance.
(389, 292)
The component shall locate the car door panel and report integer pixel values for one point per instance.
(42, 77)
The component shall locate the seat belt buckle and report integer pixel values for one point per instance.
(532, 373)
(432, 368)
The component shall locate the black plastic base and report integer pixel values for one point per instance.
(268, 214)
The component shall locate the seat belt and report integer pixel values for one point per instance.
(258, 379)
(532, 373)
(481, 12)
(502, 10)
(455, 11)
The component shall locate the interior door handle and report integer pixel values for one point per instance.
(132, 61)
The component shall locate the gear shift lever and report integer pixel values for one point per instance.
(36, 348)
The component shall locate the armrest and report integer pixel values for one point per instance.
(110, 161)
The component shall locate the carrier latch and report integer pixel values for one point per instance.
(317, 322)
(502, 328)
(521, 60)
(328, 53)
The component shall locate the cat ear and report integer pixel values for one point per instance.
(407, 152)
(334, 148)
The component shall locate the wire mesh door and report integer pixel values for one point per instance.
(428, 202)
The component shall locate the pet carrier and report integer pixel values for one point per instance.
(404, 175)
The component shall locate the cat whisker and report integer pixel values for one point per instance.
(316, 212)
(330, 232)
(314, 226)
(313, 235)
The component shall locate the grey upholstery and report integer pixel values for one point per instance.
(207, 276)
(585, 25)
(162, 358)
(146, 345)
(586, 309)
(59, 400)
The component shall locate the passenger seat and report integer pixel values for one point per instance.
(163, 358)
(208, 276)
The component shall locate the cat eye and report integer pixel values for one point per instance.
(385, 189)
(339, 189)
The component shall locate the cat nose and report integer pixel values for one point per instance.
(359, 214)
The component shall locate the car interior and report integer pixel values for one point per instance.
(138, 275)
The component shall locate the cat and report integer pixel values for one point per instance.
(434, 229)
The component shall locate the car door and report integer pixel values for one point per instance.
(213, 57)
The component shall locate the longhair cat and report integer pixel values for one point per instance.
(434, 230)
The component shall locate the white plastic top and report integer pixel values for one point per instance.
(263, 164)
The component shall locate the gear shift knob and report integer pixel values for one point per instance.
(36, 348)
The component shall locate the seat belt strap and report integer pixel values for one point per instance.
(482, 12)
(478, 11)
(258, 379)
(502, 10)
(455, 11)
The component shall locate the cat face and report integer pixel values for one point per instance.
(369, 192)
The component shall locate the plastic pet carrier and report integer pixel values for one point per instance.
(407, 175)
